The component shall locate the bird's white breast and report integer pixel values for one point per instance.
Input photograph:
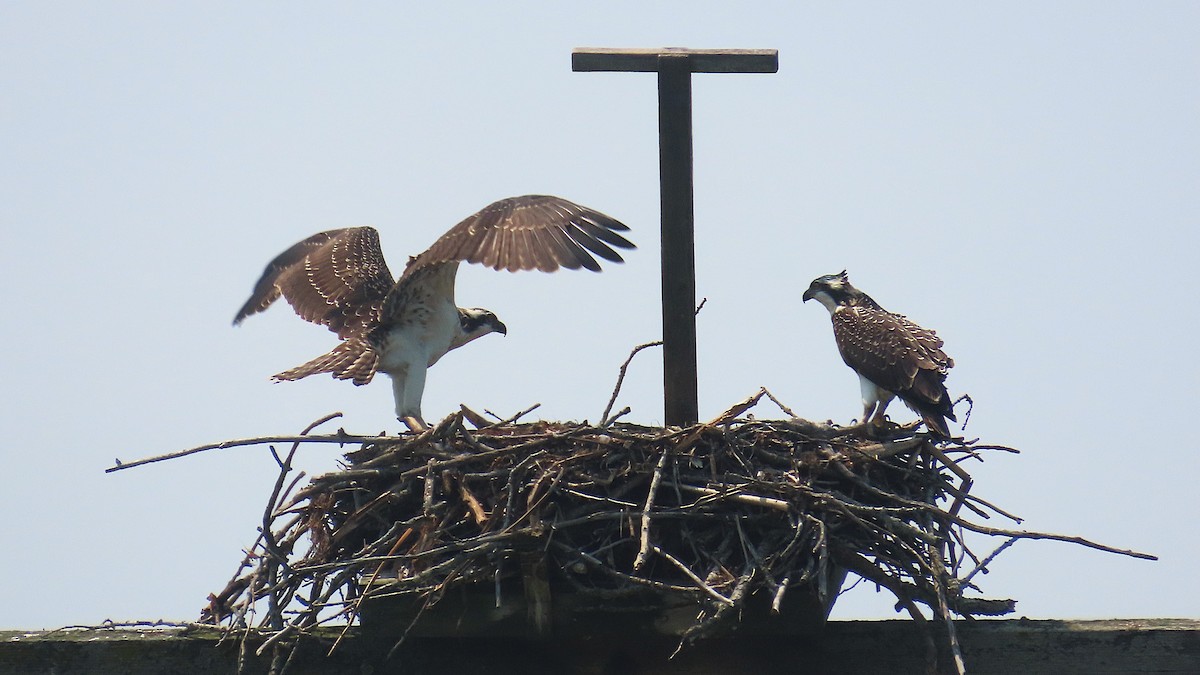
(424, 336)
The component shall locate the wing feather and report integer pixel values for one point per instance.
(530, 232)
(565, 251)
(265, 290)
(525, 251)
(543, 248)
(337, 279)
(592, 244)
(894, 353)
(602, 227)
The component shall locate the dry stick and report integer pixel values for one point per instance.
(951, 632)
(301, 622)
(751, 553)
(937, 553)
(964, 487)
(620, 413)
(903, 590)
(276, 557)
(621, 378)
(530, 445)
(970, 408)
(357, 605)
(1023, 534)
(786, 410)
(707, 625)
(692, 575)
(995, 509)
(777, 598)
(1026, 534)
(287, 492)
(734, 495)
(644, 551)
(992, 556)
(510, 420)
(244, 647)
(231, 590)
(476, 420)
(340, 439)
(737, 409)
(616, 574)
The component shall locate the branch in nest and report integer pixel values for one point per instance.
(710, 514)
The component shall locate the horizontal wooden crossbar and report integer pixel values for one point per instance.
(591, 59)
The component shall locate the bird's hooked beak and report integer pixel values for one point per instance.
(500, 327)
(808, 294)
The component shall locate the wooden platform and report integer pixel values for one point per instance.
(859, 647)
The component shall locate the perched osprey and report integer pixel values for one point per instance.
(892, 355)
(340, 280)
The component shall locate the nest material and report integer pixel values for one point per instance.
(715, 513)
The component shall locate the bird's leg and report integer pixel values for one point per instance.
(868, 411)
(407, 387)
(880, 399)
(414, 423)
(879, 418)
(871, 400)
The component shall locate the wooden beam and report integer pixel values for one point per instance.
(597, 59)
(991, 647)
(680, 380)
(675, 67)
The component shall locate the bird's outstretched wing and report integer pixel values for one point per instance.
(337, 278)
(529, 232)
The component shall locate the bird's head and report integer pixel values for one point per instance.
(477, 322)
(832, 290)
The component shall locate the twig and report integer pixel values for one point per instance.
(644, 550)
(476, 420)
(687, 572)
(1027, 534)
(982, 566)
(734, 495)
(620, 413)
(340, 438)
(621, 378)
(786, 410)
(516, 417)
(970, 408)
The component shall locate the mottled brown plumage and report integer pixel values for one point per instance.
(889, 351)
(339, 279)
(531, 232)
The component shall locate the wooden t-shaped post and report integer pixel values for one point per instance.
(675, 68)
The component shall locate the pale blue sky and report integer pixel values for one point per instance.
(1023, 177)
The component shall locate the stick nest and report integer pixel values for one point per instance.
(716, 513)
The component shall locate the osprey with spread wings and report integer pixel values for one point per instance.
(340, 280)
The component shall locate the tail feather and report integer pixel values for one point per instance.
(935, 414)
(353, 359)
(928, 398)
(936, 425)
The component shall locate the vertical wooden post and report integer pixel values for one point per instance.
(680, 391)
(675, 68)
